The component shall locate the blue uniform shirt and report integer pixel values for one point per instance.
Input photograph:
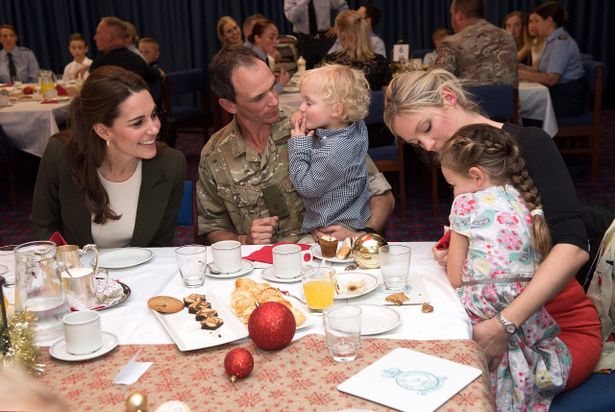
(25, 63)
(561, 55)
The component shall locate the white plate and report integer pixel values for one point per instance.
(58, 349)
(267, 274)
(187, 334)
(123, 258)
(315, 250)
(365, 283)
(378, 319)
(246, 267)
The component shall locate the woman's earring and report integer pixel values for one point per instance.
(107, 143)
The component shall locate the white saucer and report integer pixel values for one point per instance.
(58, 349)
(267, 274)
(123, 258)
(246, 267)
(363, 282)
(376, 319)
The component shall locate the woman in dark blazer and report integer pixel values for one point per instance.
(109, 181)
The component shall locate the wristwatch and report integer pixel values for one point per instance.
(509, 327)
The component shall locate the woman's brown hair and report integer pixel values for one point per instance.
(496, 152)
(98, 102)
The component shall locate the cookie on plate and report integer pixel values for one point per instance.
(165, 304)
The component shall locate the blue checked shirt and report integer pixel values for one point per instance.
(25, 64)
(329, 172)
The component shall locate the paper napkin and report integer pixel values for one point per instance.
(57, 239)
(410, 381)
(133, 370)
(265, 254)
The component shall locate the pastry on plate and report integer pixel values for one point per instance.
(345, 249)
(328, 246)
(397, 298)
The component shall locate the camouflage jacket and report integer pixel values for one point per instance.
(480, 54)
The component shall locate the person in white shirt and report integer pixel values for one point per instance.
(437, 38)
(78, 47)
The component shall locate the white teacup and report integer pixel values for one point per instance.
(288, 260)
(81, 287)
(82, 332)
(227, 256)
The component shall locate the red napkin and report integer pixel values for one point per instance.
(49, 101)
(444, 241)
(265, 254)
(58, 239)
(61, 90)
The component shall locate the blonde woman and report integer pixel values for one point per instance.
(229, 32)
(357, 51)
(513, 24)
(426, 109)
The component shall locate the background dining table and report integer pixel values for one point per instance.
(299, 377)
(30, 123)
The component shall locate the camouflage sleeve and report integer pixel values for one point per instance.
(447, 57)
(212, 212)
(377, 184)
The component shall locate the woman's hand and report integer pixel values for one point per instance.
(493, 339)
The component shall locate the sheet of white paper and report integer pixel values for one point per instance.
(408, 380)
(133, 370)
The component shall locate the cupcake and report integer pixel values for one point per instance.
(328, 246)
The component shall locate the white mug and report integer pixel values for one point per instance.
(227, 256)
(82, 332)
(81, 287)
(288, 260)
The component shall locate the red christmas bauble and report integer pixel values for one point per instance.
(271, 326)
(238, 363)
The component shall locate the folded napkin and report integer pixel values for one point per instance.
(49, 101)
(58, 239)
(265, 254)
(61, 90)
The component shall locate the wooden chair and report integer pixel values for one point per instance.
(184, 100)
(499, 102)
(389, 158)
(289, 53)
(585, 127)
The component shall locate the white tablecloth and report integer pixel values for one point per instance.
(134, 323)
(30, 124)
(535, 101)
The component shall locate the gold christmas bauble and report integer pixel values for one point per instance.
(136, 402)
(365, 250)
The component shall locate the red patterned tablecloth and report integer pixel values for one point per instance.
(301, 377)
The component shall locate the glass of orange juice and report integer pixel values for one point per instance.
(318, 287)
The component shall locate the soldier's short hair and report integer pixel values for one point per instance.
(224, 64)
(470, 8)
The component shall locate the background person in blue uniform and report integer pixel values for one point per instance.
(560, 67)
(16, 63)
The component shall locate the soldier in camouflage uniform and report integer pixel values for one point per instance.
(479, 52)
(244, 190)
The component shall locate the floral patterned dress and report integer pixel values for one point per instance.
(499, 264)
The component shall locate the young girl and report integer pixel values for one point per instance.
(78, 47)
(328, 146)
(499, 236)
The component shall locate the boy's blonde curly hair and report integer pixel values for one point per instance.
(345, 85)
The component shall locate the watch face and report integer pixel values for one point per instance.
(511, 329)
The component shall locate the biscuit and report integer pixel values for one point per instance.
(165, 304)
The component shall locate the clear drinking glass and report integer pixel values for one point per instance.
(318, 287)
(192, 261)
(343, 331)
(395, 266)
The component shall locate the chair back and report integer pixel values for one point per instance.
(184, 218)
(289, 53)
(498, 101)
(376, 108)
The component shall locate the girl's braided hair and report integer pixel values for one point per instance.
(496, 152)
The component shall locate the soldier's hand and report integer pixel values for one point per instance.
(262, 230)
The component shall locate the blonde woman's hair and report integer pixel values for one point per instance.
(342, 84)
(355, 30)
(496, 152)
(416, 91)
